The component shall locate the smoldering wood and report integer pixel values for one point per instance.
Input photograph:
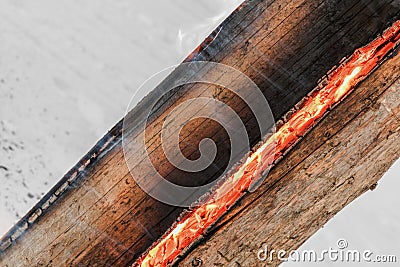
(96, 215)
(344, 156)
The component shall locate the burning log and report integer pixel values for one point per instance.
(340, 82)
(322, 174)
(97, 215)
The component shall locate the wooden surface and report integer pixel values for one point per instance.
(341, 158)
(103, 218)
(68, 70)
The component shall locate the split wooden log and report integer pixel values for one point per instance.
(340, 159)
(96, 215)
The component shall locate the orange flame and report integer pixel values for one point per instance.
(341, 81)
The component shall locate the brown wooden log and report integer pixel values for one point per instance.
(340, 159)
(96, 215)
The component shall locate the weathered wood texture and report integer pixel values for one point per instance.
(341, 158)
(102, 218)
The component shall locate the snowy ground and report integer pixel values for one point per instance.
(67, 72)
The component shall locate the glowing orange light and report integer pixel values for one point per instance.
(341, 81)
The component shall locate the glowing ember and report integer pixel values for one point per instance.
(341, 81)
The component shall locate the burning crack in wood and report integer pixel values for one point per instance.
(336, 86)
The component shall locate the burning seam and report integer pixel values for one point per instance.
(331, 91)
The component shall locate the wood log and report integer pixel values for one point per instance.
(341, 158)
(96, 215)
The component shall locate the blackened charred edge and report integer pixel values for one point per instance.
(71, 180)
(196, 53)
